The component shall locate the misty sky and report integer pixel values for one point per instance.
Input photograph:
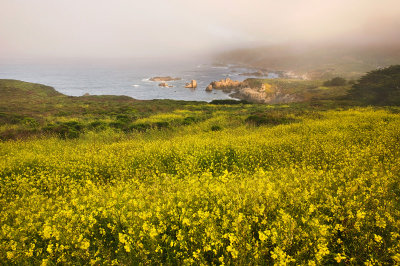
(152, 28)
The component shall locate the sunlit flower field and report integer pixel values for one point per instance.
(323, 190)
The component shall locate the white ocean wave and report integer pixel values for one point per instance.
(220, 67)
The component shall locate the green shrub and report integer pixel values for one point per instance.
(97, 125)
(337, 81)
(118, 125)
(189, 120)
(7, 118)
(271, 118)
(216, 128)
(141, 127)
(30, 122)
(125, 118)
(65, 130)
(228, 101)
(161, 124)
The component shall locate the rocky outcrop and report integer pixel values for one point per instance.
(251, 91)
(192, 84)
(227, 85)
(167, 78)
(164, 84)
(263, 95)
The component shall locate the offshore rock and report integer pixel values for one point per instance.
(167, 78)
(164, 84)
(192, 84)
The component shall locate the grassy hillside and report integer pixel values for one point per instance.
(164, 182)
(28, 109)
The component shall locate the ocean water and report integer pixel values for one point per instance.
(126, 79)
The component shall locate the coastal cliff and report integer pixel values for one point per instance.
(252, 90)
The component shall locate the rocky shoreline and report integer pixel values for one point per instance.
(244, 90)
(249, 90)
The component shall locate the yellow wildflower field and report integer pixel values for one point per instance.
(320, 191)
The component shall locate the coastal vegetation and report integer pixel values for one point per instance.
(117, 181)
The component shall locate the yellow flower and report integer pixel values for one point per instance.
(10, 255)
(339, 257)
(262, 236)
(47, 231)
(85, 244)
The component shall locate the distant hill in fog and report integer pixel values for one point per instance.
(316, 61)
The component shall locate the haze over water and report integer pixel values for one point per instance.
(125, 79)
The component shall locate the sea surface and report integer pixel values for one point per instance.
(128, 79)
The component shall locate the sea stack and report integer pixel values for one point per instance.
(227, 85)
(192, 84)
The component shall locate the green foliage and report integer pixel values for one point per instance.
(118, 125)
(141, 127)
(380, 87)
(216, 128)
(161, 124)
(269, 118)
(189, 120)
(97, 125)
(228, 101)
(337, 81)
(66, 130)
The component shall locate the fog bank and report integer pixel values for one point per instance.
(45, 29)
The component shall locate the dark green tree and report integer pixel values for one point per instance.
(380, 87)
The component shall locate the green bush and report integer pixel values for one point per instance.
(141, 127)
(161, 124)
(65, 130)
(118, 125)
(189, 120)
(271, 118)
(216, 128)
(337, 81)
(97, 125)
(228, 101)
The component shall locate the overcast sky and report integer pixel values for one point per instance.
(152, 28)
